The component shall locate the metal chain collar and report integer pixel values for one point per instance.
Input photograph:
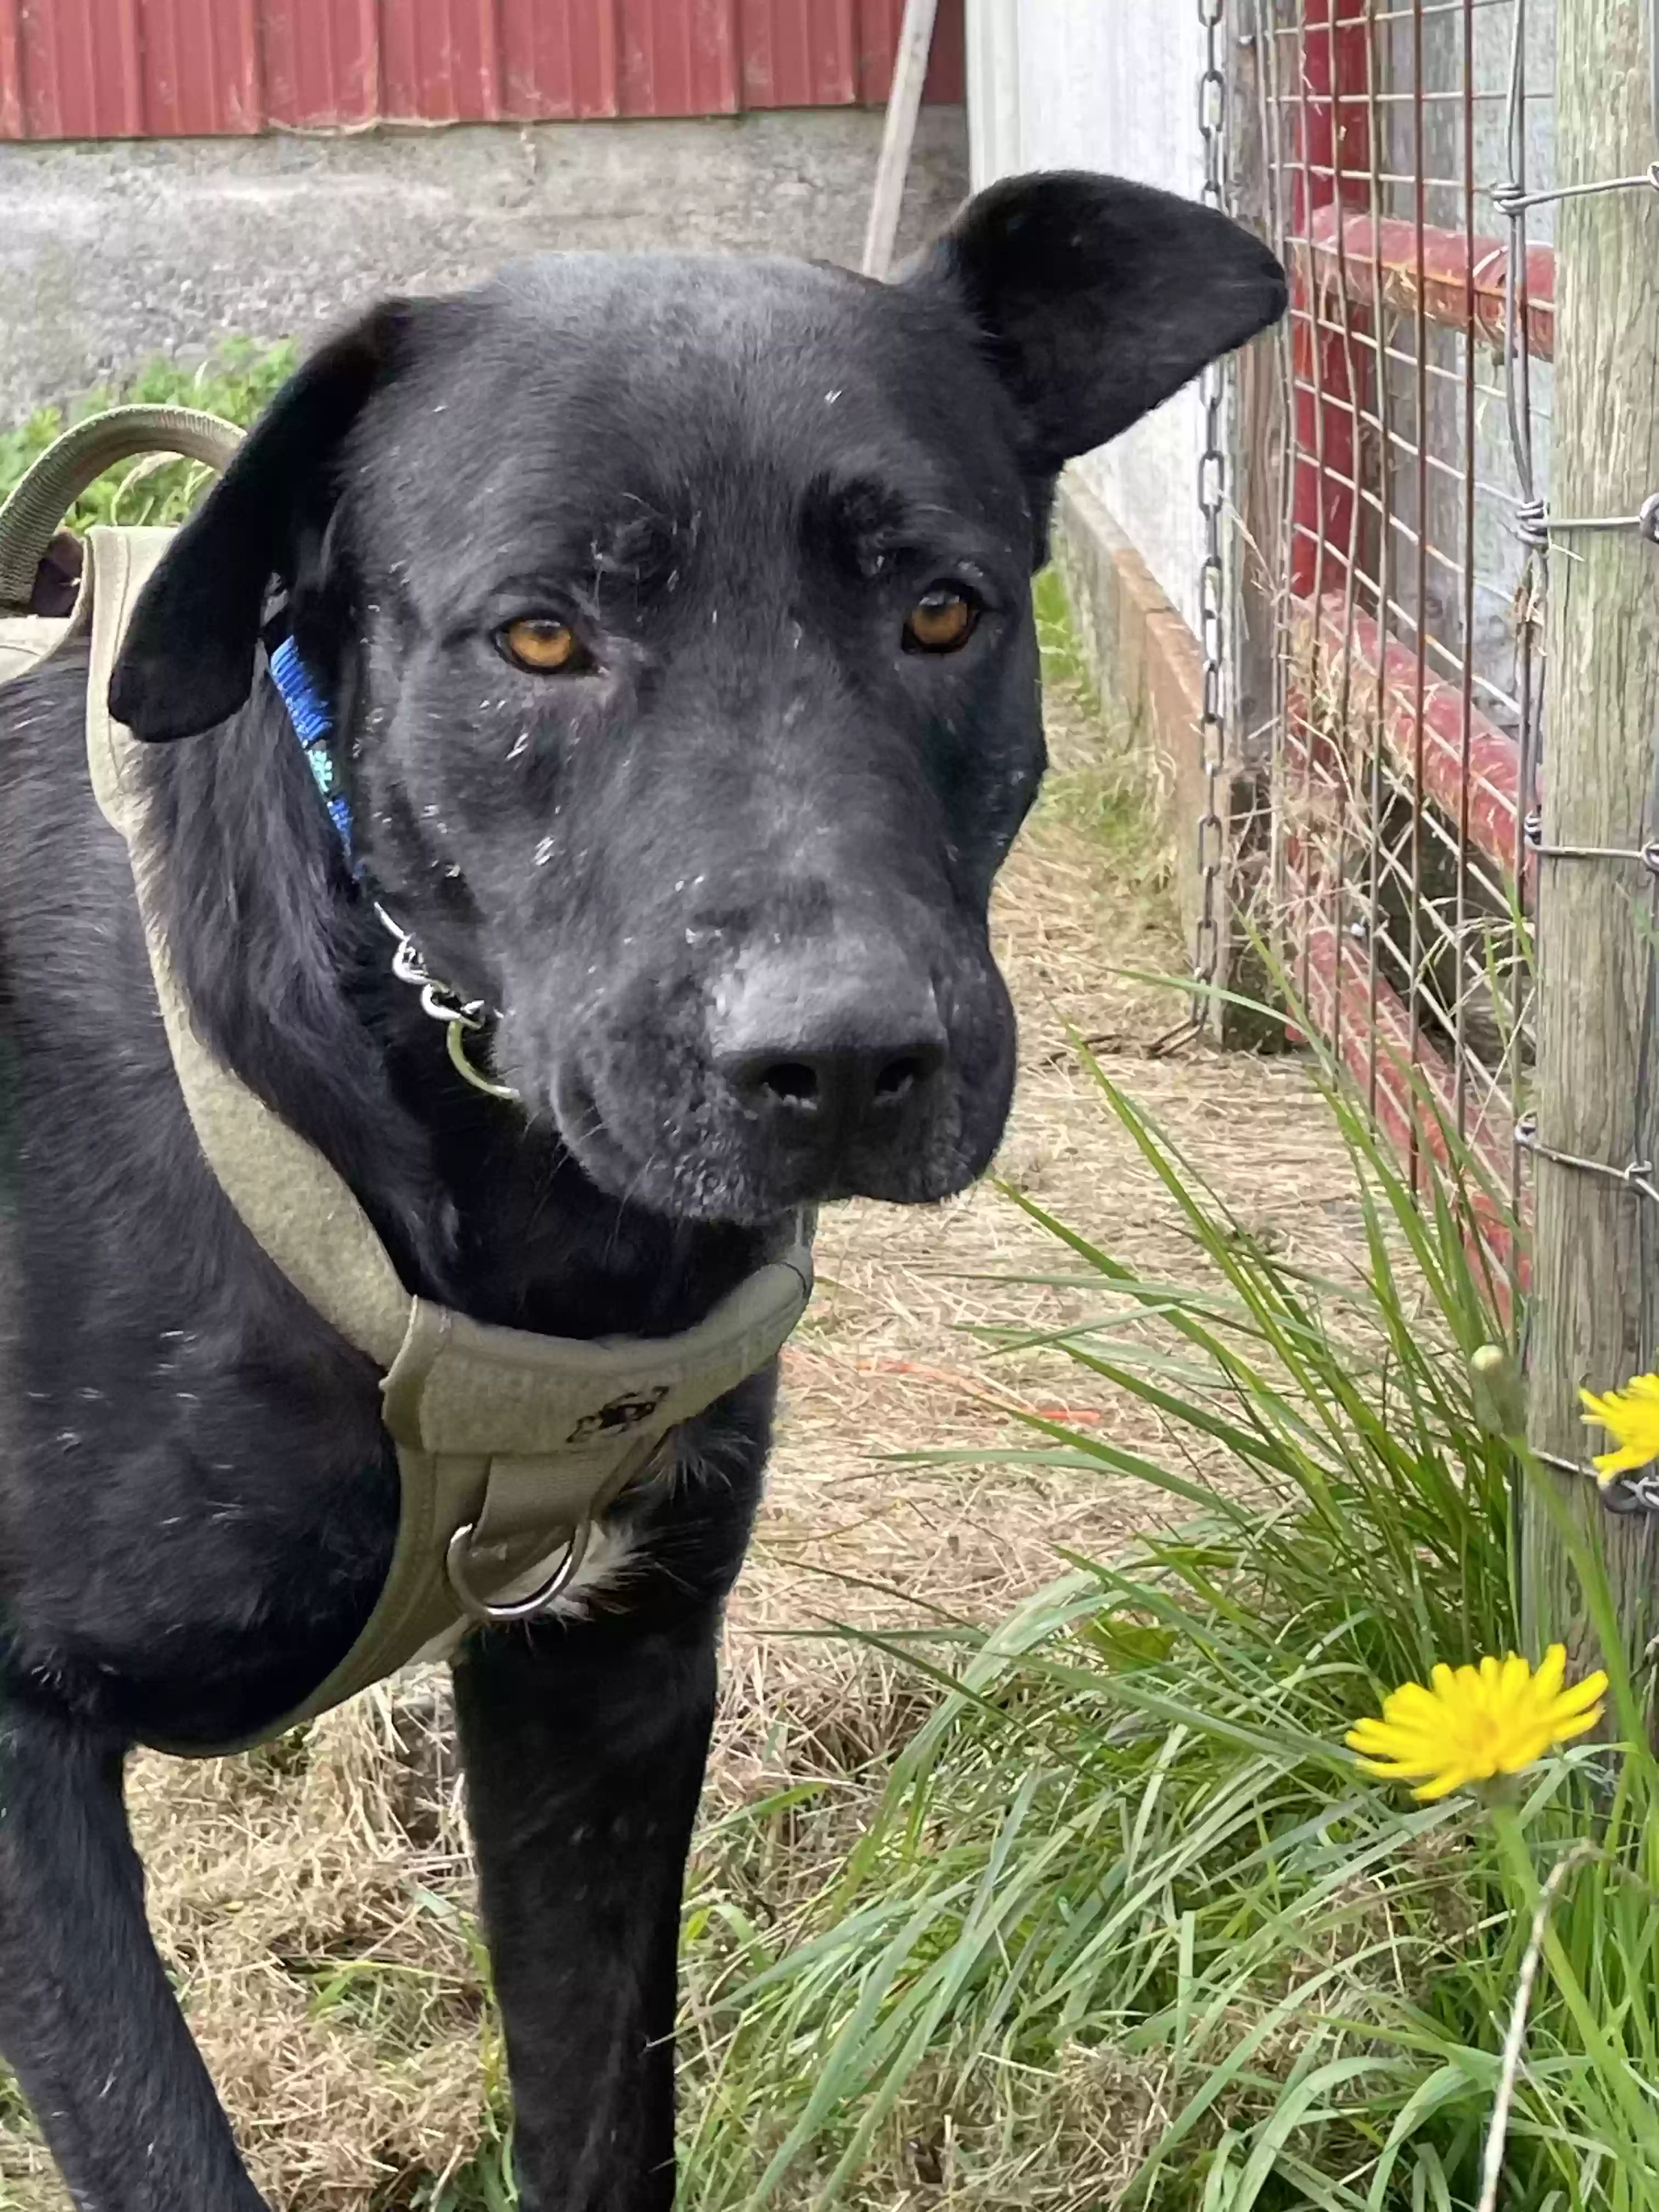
(311, 717)
(462, 1018)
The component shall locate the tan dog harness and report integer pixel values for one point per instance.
(511, 1446)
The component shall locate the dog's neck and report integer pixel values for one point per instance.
(287, 974)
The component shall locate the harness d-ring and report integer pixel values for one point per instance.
(487, 1610)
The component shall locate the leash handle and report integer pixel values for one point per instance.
(34, 514)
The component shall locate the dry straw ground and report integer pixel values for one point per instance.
(312, 1899)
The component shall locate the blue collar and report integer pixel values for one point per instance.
(313, 726)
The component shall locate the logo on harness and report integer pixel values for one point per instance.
(622, 1414)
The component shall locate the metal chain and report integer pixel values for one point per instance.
(462, 1018)
(1212, 575)
(438, 1001)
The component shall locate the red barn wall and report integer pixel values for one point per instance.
(178, 69)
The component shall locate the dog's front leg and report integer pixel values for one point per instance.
(585, 1748)
(88, 2021)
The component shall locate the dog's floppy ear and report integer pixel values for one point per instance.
(1098, 298)
(187, 660)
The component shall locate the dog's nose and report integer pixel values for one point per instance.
(844, 1087)
(828, 1061)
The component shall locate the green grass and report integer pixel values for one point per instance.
(1110, 793)
(1126, 1925)
(235, 381)
(1063, 658)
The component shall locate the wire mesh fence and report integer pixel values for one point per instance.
(1416, 376)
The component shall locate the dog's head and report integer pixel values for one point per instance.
(676, 615)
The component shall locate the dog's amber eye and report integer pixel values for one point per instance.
(541, 643)
(940, 621)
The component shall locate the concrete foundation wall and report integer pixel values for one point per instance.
(112, 253)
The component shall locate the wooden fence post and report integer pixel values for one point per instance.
(1593, 1316)
(916, 44)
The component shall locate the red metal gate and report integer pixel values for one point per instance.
(172, 69)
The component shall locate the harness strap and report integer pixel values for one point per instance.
(510, 1446)
(34, 513)
(296, 1205)
(26, 640)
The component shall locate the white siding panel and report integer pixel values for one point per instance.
(1105, 84)
(993, 91)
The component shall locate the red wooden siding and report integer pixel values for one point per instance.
(177, 68)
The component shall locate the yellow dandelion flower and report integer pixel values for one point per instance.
(1630, 1417)
(1476, 1721)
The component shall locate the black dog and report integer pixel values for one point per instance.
(676, 622)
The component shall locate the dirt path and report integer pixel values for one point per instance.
(311, 1898)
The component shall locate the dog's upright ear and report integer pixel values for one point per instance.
(1096, 299)
(187, 659)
